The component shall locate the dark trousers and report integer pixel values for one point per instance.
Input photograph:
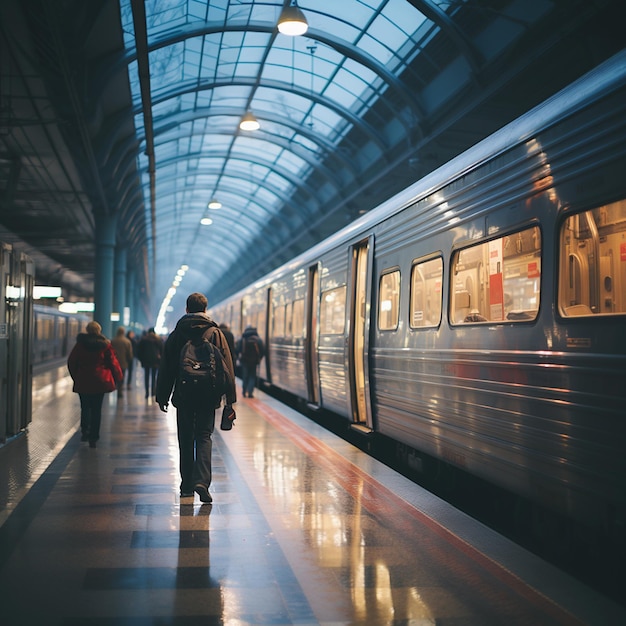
(248, 378)
(149, 375)
(90, 415)
(130, 371)
(195, 427)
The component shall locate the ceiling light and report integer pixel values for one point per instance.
(206, 221)
(215, 204)
(292, 21)
(249, 122)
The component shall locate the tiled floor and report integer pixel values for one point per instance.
(304, 529)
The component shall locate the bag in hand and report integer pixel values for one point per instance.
(228, 418)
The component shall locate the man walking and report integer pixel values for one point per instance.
(149, 352)
(250, 350)
(196, 413)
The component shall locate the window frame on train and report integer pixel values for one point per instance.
(389, 298)
(333, 311)
(420, 313)
(572, 302)
(487, 301)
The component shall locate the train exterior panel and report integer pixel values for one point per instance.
(286, 347)
(478, 317)
(333, 329)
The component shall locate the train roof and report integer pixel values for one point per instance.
(606, 78)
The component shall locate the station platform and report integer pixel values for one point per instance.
(303, 529)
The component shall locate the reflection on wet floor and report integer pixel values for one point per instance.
(304, 529)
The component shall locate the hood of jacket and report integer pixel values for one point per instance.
(193, 325)
(91, 342)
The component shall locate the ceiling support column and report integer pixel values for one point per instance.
(105, 255)
(131, 297)
(119, 286)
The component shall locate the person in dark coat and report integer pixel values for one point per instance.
(250, 351)
(230, 339)
(124, 353)
(149, 353)
(95, 370)
(195, 421)
(131, 364)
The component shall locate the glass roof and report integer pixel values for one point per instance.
(211, 62)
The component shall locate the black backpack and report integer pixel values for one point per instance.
(202, 373)
(250, 350)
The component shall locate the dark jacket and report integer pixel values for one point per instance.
(150, 350)
(230, 340)
(190, 326)
(93, 365)
(241, 351)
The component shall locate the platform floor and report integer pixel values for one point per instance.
(303, 529)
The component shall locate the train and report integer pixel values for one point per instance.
(32, 337)
(476, 320)
(54, 334)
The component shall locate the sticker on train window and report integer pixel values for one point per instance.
(497, 280)
(592, 267)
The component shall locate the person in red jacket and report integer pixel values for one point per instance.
(95, 370)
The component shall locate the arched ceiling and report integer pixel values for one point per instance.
(130, 109)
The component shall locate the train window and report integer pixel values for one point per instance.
(261, 320)
(45, 328)
(333, 311)
(297, 320)
(497, 280)
(389, 301)
(592, 269)
(279, 321)
(288, 320)
(426, 293)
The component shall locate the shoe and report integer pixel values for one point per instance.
(203, 492)
(92, 444)
(186, 494)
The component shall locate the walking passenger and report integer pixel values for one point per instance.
(124, 353)
(131, 365)
(95, 370)
(195, 415)
(250, 351)
(149, 353)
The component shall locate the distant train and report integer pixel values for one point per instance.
(479, 317)
(31, 336)
(54, 333)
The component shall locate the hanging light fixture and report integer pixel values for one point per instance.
(215, 204)
(249, 122)
(292, 21)
(206, 221)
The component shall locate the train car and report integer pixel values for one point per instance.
(54, 334)
(478, 317)
(16, 302)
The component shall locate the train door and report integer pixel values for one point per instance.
(269, 327)
(358, 339)
(312, 316)
(27, 282)
(5, 274)
(263, 329)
